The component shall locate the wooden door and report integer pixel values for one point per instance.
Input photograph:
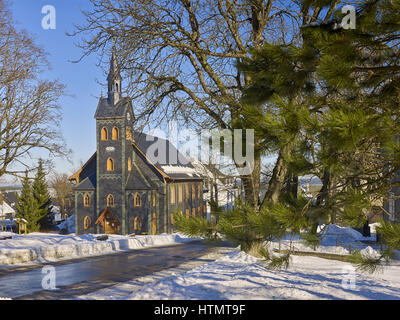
(110, 227)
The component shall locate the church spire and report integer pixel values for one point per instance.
(114, 79)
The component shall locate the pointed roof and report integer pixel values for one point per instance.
(76, 175)
(106, 213)
(114, 69)
(105, 110)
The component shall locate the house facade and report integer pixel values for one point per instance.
(121, 189)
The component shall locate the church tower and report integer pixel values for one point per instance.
(114, 120)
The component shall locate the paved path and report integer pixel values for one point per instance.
(81, 277)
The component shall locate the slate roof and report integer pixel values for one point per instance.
(144, 141)
(89, 183)
(106, 110)
(136, 181)
(87, 174)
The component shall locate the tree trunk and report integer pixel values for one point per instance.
(251, 184)
(279, 175)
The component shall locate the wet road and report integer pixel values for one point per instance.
(93, 273)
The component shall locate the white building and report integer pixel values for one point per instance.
(222, 188)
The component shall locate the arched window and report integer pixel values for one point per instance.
(104, 134)
(86, 200)
(115, 133)
(137, 201)
(137, 224)
(110, 200)
(129, 164)
(110, 164)
(87, 222)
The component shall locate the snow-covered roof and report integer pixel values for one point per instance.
(6, 209)
(179, 169)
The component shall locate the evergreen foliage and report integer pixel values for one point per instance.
(34, 200)
(330, 109)
(42, 198)
(27, 206)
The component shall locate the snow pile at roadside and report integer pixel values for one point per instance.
(334, 240)
(240, 276)
(43, 247)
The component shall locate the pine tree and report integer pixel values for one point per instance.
(42, 197)
(26, 205)
(330, 109)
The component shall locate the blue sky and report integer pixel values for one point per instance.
(81, 79)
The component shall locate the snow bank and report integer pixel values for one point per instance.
(335, 240)
(238, 276)
(42, 247)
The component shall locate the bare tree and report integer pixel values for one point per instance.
(63, 193)
(181, 57)
(29, 110)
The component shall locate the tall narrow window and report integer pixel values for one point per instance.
(129, 164)
(137, 224)
(110, 164)
(187, 213)
(198, 191)
(110, 200)
(137, 201)
(115, 133)
(193, 212)
(86, 200)
(193, 191)
(154, 199)
(128, 133)
(180, 193)
(154, 224)
(172, 189)
(186, 191)
(104, 134)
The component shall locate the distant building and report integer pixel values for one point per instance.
(6, 211)
(119, 189)
(220, 187)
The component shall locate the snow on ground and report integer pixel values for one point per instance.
(44, 247)
(240, 276)
(335, 240)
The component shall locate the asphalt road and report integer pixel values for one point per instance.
(86, 275)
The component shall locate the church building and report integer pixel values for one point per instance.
(119, 190)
